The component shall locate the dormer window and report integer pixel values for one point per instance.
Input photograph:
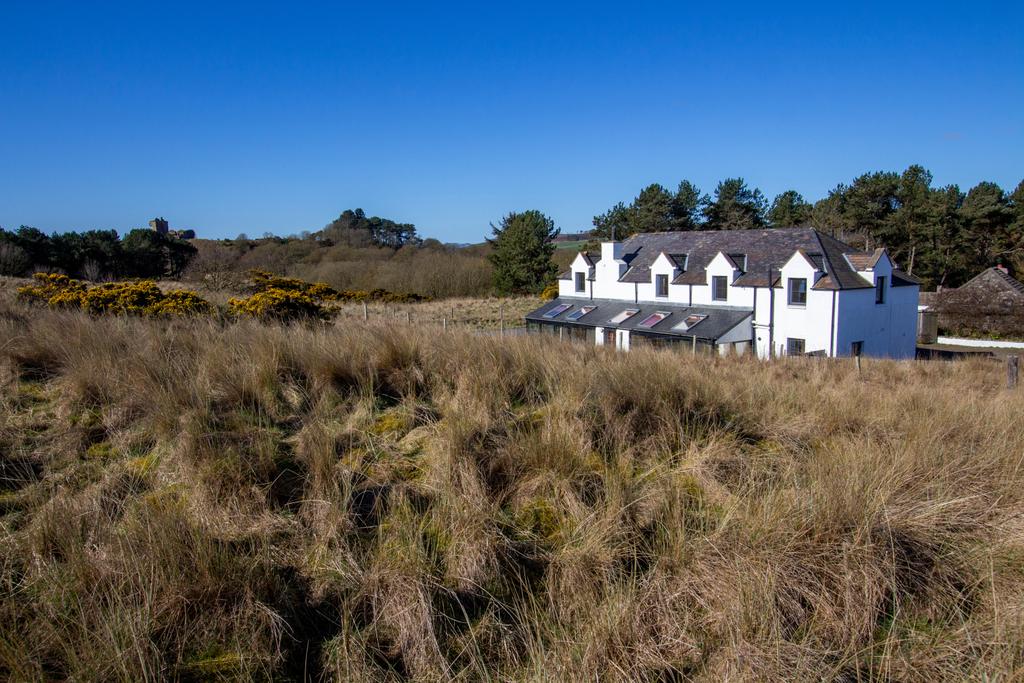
(581, 282)
(880, 289)
(661, 285)
(719, 288)
(740, 260)
(797, 291)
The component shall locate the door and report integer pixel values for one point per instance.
(609, 338)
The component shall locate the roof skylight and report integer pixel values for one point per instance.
(579, 313)
(624, 316)
(690, 321)
(557, 310)
(654, 318)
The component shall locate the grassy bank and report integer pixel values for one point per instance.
(202, 501)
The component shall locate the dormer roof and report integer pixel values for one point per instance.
(766, 251)
(864, 260)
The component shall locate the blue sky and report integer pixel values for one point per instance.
(256, 117)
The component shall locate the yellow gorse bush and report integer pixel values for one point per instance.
(287, 298)
(133, 297)
(280, 304)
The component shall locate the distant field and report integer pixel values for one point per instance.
(193, 500)
(473, 313)
(575, 246)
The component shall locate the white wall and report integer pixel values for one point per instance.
(811, 322)
(886, 330)
(889, 329)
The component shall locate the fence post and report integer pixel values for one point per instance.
(444, 324)
(501, 319)
(1012, 369)
(366, 314)
(408, 317)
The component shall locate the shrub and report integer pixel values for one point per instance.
(53, 289)
(287, 298)
(131, 297)
(180, 302)
(279, 304)
(550, 292)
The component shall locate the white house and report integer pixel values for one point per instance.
(785, 291)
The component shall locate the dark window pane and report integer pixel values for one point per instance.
(719, 288)
(797, 291)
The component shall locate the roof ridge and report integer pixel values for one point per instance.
(1009, 279)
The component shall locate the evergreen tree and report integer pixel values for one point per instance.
(987, 219)
(868, 205)
(686, 207)
(655, 209)
(789, 210)
(829, 213)
(736, 207)
(522, 248)
(910, 223)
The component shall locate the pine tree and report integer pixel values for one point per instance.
(521, 252)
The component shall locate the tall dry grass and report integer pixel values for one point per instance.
(380, 502)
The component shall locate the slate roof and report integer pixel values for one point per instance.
(901, 279)
(719, 320)
(863, 260)
(766, 251)
(995, 276)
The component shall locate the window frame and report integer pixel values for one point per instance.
(580, 282)
(880, 287)
(791, 342)
(715, 279)
(789, 292)
(660, 278)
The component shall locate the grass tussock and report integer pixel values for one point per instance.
(190, 500)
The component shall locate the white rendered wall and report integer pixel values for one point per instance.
(811, 322)
(887, 330)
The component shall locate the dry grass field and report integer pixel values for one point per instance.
(199, 500)
(482, 313)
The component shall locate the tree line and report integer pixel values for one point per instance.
(94, 254)
(940, 234)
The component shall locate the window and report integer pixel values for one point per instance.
(690, 321)
(661, 285)
(794, 347)
(654, 318)
(880, 289)
(740, 260)
(624, 315)
(797, 291)
(557, 310)
(719, 288)
(581, 282)
(579, 313)
(855, 348)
